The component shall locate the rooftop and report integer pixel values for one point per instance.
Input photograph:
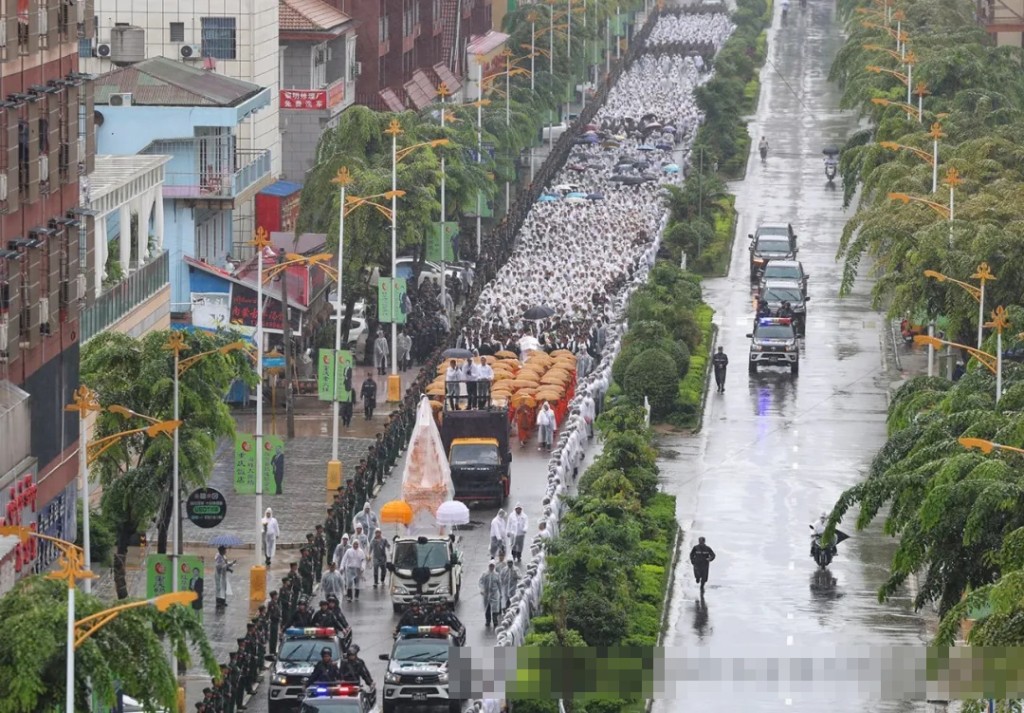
(486, 43)
(311, 15)
(160, 81)
(112, 172)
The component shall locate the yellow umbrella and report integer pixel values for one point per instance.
(396, 511)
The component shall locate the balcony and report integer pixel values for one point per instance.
(120, 299)
(206, 170)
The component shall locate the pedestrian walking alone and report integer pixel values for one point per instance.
(701, 557)
(271, 531)
(368, 393)
(720, 361)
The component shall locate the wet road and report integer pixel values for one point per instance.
(372, 618)
(775, 450)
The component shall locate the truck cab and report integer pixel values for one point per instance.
(428, 568)
(476, 443)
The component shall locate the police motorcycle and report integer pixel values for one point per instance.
(831, 163)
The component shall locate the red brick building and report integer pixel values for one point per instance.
(46, 145)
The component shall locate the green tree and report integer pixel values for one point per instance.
(136, 472)
(130, 651)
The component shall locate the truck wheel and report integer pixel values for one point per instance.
(752, 368)
(795, 369)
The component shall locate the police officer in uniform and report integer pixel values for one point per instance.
(306, 573)
(319, 552)
(326, 671)
(273, 621)
(413, 616)
(302, 617)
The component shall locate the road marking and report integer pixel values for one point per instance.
(789, 615)
(789, 701)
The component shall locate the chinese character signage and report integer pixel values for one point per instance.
(392, 300)
(245, 464)
(18, 507)
(334, 375)
(244, 313)
(304, 99)
(190, 576)
(400, 302)
(434, 241)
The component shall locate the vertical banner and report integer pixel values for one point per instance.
(385, 296)
(191, 574)
(343, 376)
(434, 241)
(325, 375)
(245, 464)
(400, 301)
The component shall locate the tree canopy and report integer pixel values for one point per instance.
(129, 652)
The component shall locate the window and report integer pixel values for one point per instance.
(408, 65)
(437, 10)
(382, 26)
(218, 37)
(319, 75)
(177, 32)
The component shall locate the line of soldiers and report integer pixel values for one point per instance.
(241, 673)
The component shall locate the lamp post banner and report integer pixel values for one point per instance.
(191, 570)
(245, 464)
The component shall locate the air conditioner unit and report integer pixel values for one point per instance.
(103, 50)
(190, 52)
(121, 99)
(357, 69)
(44, 169)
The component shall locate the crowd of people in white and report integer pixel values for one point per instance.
(584, 259)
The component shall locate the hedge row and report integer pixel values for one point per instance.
(690, 400)
(607, 577)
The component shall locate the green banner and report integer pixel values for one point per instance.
(329, 386)
(619, 25)
(400, 304)
(245, 464)
(434, 243)
(158, 575)
(385, 299)
(343, 376)
(485, 208)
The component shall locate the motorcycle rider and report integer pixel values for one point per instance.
(326, 671)
(701, 557)
(335, 615)
(831, 166)
(817, 530)
(785, 9)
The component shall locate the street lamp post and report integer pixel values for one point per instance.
(508, 118)
(261, 241)
(987, 447)
(909, 60)
(920, 90)
(936, 134)
(343, 179)
(85, 402)
(394, 129)
(999, 322)
(983, 274)
(479, 159)
(952, 180)
(442, 91)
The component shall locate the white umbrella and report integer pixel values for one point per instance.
(453, 513)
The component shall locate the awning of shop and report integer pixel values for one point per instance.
(445, 75)
(391, 100)
(420, 90)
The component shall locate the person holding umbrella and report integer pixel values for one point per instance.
(222, 567)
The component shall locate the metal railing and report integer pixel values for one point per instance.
(120, 299)
(227, 180)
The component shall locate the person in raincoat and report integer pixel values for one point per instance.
(588, 410)
(364, 541)
(547, 425)
(271, 531)
(367, 518)
(222, 567)
(339, 552)
(701, 557)
(490, 590)
(499, 530)
(509, 577)
(380, 353)
(352, 564)
(517, 525)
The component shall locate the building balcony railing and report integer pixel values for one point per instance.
(226, 179)
(120, 299)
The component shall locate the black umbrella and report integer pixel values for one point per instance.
(538, 312)
(455, 353)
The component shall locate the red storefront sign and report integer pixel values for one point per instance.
(18, 509)
(313, 99)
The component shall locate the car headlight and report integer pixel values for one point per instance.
(442, 589)
(399, 589)
(279, 680)
(759, 260)
(442, 678)
(391, 677)
(755, 347)
(790, 347)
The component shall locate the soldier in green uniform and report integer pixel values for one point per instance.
(287, 601)
(262, 622)
(293, 572)
(332, 527)
(235, 681)
(306, 573)
(319, 551)
(273, 621)
(255, 652)
(349, 500)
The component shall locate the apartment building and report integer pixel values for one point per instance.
(235, 38)
(46, 145)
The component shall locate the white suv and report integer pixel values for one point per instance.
(417, 673)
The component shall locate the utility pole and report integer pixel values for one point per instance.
(288, 362)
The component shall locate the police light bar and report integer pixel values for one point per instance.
(310, 631)
(328, 691)
(771, 321)
(428, 630)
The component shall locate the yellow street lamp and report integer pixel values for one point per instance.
(983, 274)
(935, 133)
(891, 72)
(906, 198)
(987, 447)
(921, 90)
(910, 109)
(878, 48)
(893, 146)
(952, 180)
(999, 322)
(480, 104)
(394, 130)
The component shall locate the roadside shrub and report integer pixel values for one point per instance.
(599, 620)
(650, 583)
(653, 553)
(626, 417)
(652, 374)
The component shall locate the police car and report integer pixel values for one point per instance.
(299, 653)
(337, 698)
(417, 671)
(773, 343)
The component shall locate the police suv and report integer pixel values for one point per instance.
(417, 673)
(338, 698)
(298, 655)
(773, 343)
